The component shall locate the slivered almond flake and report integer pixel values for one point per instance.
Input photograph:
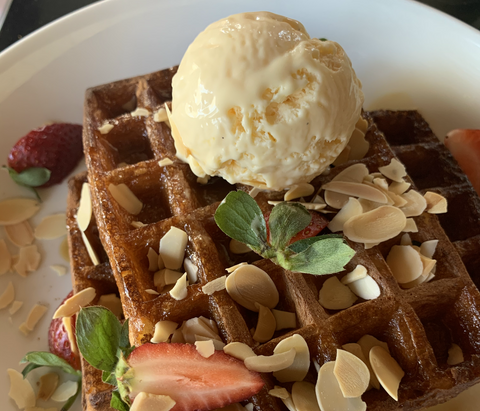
(165, 162)
(31, 256)
(410, 226)
(137, 224)
(16, 305)
(160, 115)
(362, 124)
(366, 288)
(351, 209)
(64, 251)
(405, 239)
(236, 247)
(308, 206)
(249, 284)
(205, 348)
(254, 192)
(140, 112)
(20, 234)
(203, 180)
(16, 210)
(304, 397)
(112, 302)
(405, 263)
(279, 392)
(47, 384)
(416, 204)
(455, 355)
(357, 190)
(126, 198)
(239, 350)
(7, 296)
(5, 258)
(34, 316)
(105, 128)
(21, 390)
(394, 171)
(163, 331)
(299, 190)
(23, 328)
(151, 291)
(68, 323)
(343, 156)
(357, 273)
(265, 325)
(217, 344)
(234, 267)
(172, 248)
(399, 187)
(179, 291)
(366, 343)
(284, 319)
(329, 394)
(335, 296)
(215, 285)
(375, 226)
(149, 402)
(84, 213)
(387, 370)
(64, 391)
(199, 326)
(191, 270)
(436, 203)
(91, 252)
(73, 304)
(301, 363)
(427, 248)
(20, 264)
(356, 350)
(52, 227)
(59, 269)
(381, 182)
(249, 406)
(152, 260)
(272, 363)
(354, 173)
(352, 374)
(358, 145)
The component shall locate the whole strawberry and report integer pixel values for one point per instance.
(56, 148)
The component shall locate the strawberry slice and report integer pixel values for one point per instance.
(464, 144)
(194, 382)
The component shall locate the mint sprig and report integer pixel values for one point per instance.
(240, 217)
(30, 177)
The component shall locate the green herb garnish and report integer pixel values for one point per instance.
(30, 177)
(240, 217)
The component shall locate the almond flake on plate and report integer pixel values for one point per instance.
(47, 384)
(59, 269)
(52, 227)
(16, 210)
(20, 234)
(5, 258)
(73, 304)
(7, 296)
(16, 305)
(34, 316)
(21, 390)
(65, 391)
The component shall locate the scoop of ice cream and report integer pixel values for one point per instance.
(257, 101)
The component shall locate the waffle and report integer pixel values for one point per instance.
(418, 324)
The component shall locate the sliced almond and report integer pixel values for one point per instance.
(358, 273)
(16, 210)
(351, 209)
(199, 326)
(163, 331)
(368, 205)
(455, 355)
(358, 145)
(284, 319)
(16, 305)
(356, 350)
(126, 198)
(217, 344)
(249, 284)
(152, 291)
(405, 263)
(304, 397)
(352, 374)
(24, 329)
(172, 248)
(399, 188)
(405, 239)
(84, 213)
(52, 227)
(335, 296)
(436, 203)
(140, 112)
(68, 323)
(375, 226)
(145, 402)
(254, 192)
(416, 204)
(215, 285)
(362, 124)
(299, 190)
(31, 256)
(5, 258)
(21, 390)
(394, 171)
(366, 288)
(366, 343)
(353, 189)
(329, 394)
(73, 304)
(231, 269)
(239, 350)
(205, 348)
(160, 115)
(354, 173)
(112, 302)
(236, 247)
(179, 291)
(165, 162)
(381, 182)
(191, 270)
(170, 276)
(7, 296)
(265, 324)
(279, 392)
(427, 248)
(20, 234)
(65, 391)
(387, 370)
(105, 128)
(47, 384)
(137, 224)
(34, 316)
(64, 251)
(301, 363)
(91, 252)
(343, 156)
(152, 259)
(410, 226)
(272, 363)
(59, 269)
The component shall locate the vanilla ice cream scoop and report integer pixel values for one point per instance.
(257, 101)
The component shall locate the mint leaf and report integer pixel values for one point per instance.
(302, 245)
(98, 334)
(326, 256)
(30, 177)
(72, 399)
(240, 217)
(124, 343)
(41, 358)
(117, 403)
(109, 378)
(286, 220)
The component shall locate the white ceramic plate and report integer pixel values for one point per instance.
(406, 54)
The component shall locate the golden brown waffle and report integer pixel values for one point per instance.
(418, 324)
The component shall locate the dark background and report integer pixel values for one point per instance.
(26, 16)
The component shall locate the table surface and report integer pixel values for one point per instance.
(25, 16)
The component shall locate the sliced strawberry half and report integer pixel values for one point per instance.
(464, 144)
(194, 382)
